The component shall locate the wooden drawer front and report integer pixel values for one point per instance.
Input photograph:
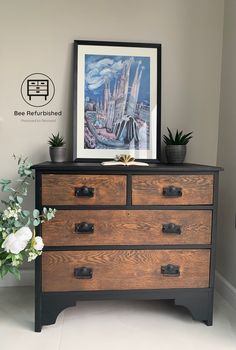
(121, 227)
(124, 269)
(60, 189)
(194, 189)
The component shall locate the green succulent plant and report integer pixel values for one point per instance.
(178, 139)
(56, 140)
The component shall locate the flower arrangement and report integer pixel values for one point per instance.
(17, 241)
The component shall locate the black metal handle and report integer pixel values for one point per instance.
(83, 272)
(84, 227)
(172, 191)
(84, 191)
(170, 270)
(171, 228)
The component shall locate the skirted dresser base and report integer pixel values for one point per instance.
(126, 232)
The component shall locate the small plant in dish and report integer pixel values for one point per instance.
(176, 146)
(57, 150)
(56, 140)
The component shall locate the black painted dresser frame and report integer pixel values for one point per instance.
(199, 301)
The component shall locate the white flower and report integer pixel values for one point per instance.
(15, 263)
(12, 212)
(16, 242)
(24, 233)
(4, 234)
(5, 214)
(13, 245)
(38, 243)
(32, 256)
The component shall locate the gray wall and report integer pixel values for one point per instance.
(226, 256)
(38, 36)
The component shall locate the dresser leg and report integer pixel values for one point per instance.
(52, 305)
(38, 327)
(209, 322)
(199, 303)
(38, 317)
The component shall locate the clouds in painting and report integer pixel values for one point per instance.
(99, 71)
(101, 68)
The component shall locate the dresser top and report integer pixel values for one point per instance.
(159, 167)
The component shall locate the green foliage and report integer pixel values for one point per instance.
(14, 217)
(46, 215)
(8, 268)
(178, 139)
(56, 140)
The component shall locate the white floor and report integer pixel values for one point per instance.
(113, 325)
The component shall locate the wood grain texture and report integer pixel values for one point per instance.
(196, 189)
(123, 227)
(127, 269)
(60, 189)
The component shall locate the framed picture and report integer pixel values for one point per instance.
(117, 100)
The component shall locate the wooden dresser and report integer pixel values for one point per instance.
(126, 232)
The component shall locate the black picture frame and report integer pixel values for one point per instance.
(79, 80)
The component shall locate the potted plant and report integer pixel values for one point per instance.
(176, 146)
(57, 150)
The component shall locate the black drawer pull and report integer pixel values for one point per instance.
(171, 228)
(84, 191)
(170, 270)
(84, 227)
(172, 191)
(83, 272)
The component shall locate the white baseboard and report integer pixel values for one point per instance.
(225, 289)
(27, 279)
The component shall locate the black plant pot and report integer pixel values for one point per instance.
(57, 154)
(175, 154)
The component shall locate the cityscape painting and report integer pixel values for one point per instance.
(117, 100)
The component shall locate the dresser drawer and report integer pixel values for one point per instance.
(37, 82)
(172, 189)
(125, 269)
(83, 189)
(38, 92)
(125, 227)
(32, 83)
